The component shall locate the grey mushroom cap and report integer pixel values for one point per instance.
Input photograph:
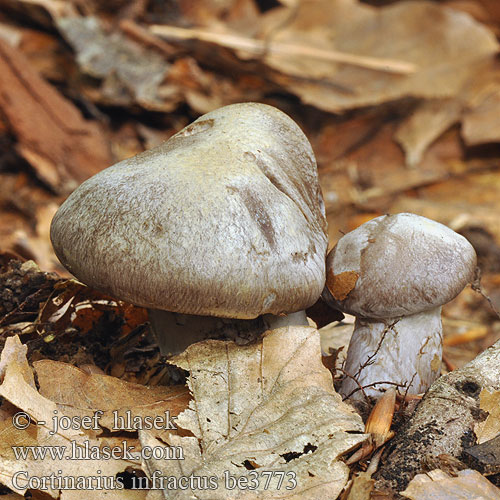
(226, 219)
(398, 265)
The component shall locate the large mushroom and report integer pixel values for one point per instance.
(221, 224)
(394, 273)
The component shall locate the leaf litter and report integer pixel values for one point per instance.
(265, 413)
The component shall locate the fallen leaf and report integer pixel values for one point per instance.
(490, 428)
(443, 54)
(15, 353)
(440, 486)
(481, 123)
(262, 411)
(425, 125)
(79, 393)
(67, 466)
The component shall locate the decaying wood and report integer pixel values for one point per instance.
(443, 423)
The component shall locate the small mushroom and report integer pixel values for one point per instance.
(221, 230)
(394, 273)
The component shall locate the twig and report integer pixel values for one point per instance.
(371, 358)
(143, 35)
(363, 387)
(477, 287)
(360, 387)
(261, 47)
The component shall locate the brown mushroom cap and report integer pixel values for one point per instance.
(397, 265)
(226, 219)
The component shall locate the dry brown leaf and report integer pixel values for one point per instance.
(336, 336)
(154, 495)
(481, 123)
(476, 106)
(490, 428)
(425, 125)
(493, 9)
(62, 441)
(78, 393)
(442, 43)
(33, 9)
(15, 353)
(440, 486)
(376, 169)
(262, 408)
(361, 488)
(38, 246)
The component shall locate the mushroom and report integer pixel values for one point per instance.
(220, 230)
(394, 273)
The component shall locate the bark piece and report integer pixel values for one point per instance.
(487, 455)
(52, 136)
(131, 72)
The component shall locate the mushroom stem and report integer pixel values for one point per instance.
(174, 332)
(406, 351)
(298, 318)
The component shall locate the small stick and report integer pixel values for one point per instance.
(261, 47)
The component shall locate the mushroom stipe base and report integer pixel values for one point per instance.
(174, 332)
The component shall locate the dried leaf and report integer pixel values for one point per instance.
(15, 353)
(336, 338)
(79, 393)
(65, 466)
(481, 123)
(490, 428)
(442, 43)
(440, 486)
(376, 169)
(425, 125)
(267, 407)
(361, 488)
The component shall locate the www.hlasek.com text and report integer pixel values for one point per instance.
(86, 451)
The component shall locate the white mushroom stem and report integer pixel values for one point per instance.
(406, 351)
(174, 331)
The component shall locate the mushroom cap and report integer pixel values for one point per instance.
(397, 265)
(226, 219)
